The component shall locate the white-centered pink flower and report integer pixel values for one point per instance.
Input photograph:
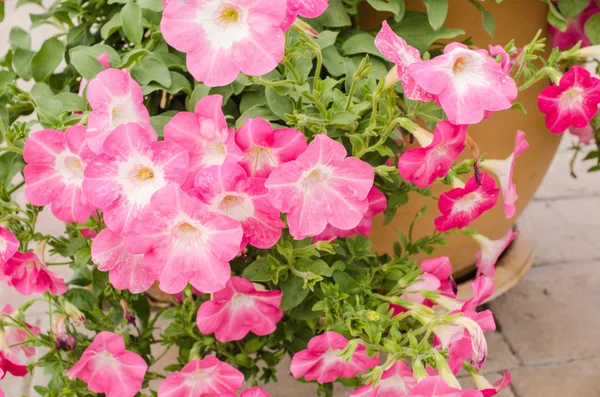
(466, 82)
(228, 191)
(122, 180)
(322, 186)
(182, 241)
(116, 99)
(126, 271)
(222, 38)
(504, 169)
(238, 309)
(436, 386)
(54, 172)
(205, 135)
(108, 368)
(491, 250)
(202, 377)
(321, 360)
(264, 148)
(28, 275)
(16, 335)
(397, 381)
(8, 246)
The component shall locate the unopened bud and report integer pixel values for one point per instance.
(302, 26)
(74, 313)
(592, 51)
(391, 78)
(372, 315)
(129, 316)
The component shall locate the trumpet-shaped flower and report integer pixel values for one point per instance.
(422, 166)
(9, 363)
(397, 381)
(228, 37)
(491, 250)
(264, 148)
(27, 274)
(503, 169)
(467, 83)
(184, 242)
(16, 335)
(571, 103)
(321, 187)
(126, 271)
(206, 377)
(108, 368)
(122, 180)
(304, 8)
(238, 309)
(486, 388)
(205, 135)
(320, 361)
(575, 31)
(116, 99)
(8, 245)
(54, 172)
(436, 386)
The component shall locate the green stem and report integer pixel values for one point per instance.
(15, 188)
(10, 148)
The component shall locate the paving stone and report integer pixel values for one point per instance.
(500, 358)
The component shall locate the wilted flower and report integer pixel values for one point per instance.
(63, 340)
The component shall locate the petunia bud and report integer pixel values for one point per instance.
(592, 51)
(444, 370)
(302, 26)
(64, 341)
(74, 313)
(391, 78)
(129, 316)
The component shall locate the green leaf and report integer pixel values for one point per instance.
(199, 92)
(259, 270)
(70, 102)
(141, 307)
(393, 6)
(360, 43)
(10, 165)
(82, 299)
(415, 29)
(99, 281)
(489, 25)
(555, 18)
(347, 283)
(47, 59)
(335, 16)
(437, 10)
(159, 122)
(110, 27)
(131, 21)
(592, 29)
(22, 63)
(1, 11)
(280, 105)
(5, 78)
(152, 69)
(132, 56)
(326, 38)
(293, 293)
(152, 5)
(178, 84)
(19, 38)
(257, 111)
(317, 266)
(572, 8)
(85, 64)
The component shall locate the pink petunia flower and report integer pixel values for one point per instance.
(238, 309)
(503, 169)
(304, 8)
(321, 187)
(9, 363)
(122, 180)
(228, 191)
(254, 392)
(585, 134)
(116, 99)
(108, 368)
(422, 166)
(16, 335)
(320, 361)
(491, 250)
(8, 246)
(397, 381)
(184, 242)
(206, 377)
(205, 135)
(486, 388)
(228, 37)
(467, 83)
(462, 205)
(104, 61)
(54, 172)
(264, 148)
(436, 386)
(575, 31)
(571, 103)
(28, 275)
(126, 271)
(394, 48)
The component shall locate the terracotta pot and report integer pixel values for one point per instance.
(516, 19)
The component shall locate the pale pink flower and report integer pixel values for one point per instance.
(8, 246)
(504, 169)
(436, 386)
(321, 187)
(320, 361)
(228, 191)
(184, 242)
(491, 250)
(205, 135)
(575, 31)
(16, 335)
(104, 61)
(54, 172)
(9, 363)
(586, 134)
(467, 83)
(238, 309)
(394, 48)
(108, 368)
(206, 377)
(422, 166)
(571, 103)
(27, 274)
(486, 388)
(122, 180)
(397, 381)
(116, 99)
(462, 205)
(264, 148)
(254, 392)
(126, 271)
(223, 38)
(304, 8)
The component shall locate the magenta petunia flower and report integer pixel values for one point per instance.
(205, 135)
(28, 275)
(491, 250)
(184, 242)
(126, 271)
(467, 83)
(9, 363)
(228, 191)
(8, 246)
(304, 8)
(396, 381)
(436, 386)
(320, 360)
(122, 180)
(238, 309)
(116, 99)
(264, 148)
(486, 388)
(206, 377)
(422, 166)
(108, 368)
(571, 103)
(222, 38)
(575, 31)
(321, 187)
(16, 335)
(54, 172)
(462, 205)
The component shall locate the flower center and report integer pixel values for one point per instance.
(236, 207)
(467, 203)
(185, 229)
(229, 15)
(262, 157)
(145, 173)
(572, 98)
(73, 165)
(458, 65)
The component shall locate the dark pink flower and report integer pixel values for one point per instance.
(28, 275)
(8, 361)
(397, 381)
(16, 335)
(489, 390)
(491, 250)
(575, 31)
(8, 246)
(436, 386)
